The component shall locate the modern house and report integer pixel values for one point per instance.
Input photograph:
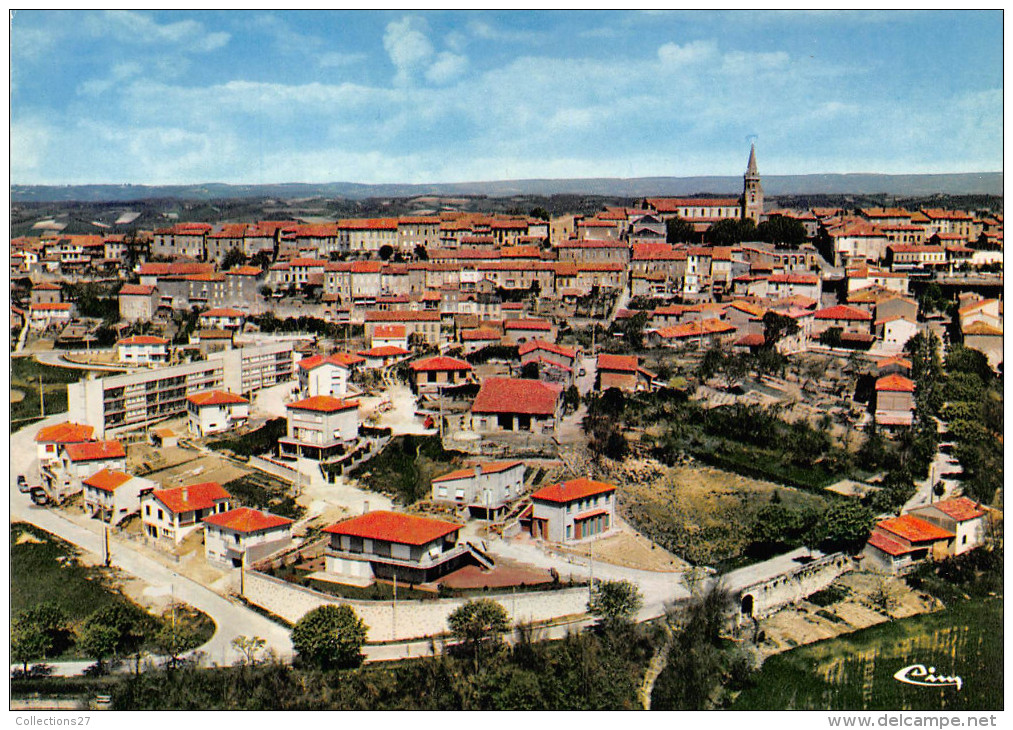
(51, 439)
(142, 350)
(513, 404)
(80, 460)
(319, 427)
(111, 496)
(433, 373)
(895, 402)
(387, 544)
(573, 511)
(244, 535)
(327, 375)
(172, 514)
(485, 488)
(623, 372)
(215, 411)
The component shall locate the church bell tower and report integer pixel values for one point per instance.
(752, 191)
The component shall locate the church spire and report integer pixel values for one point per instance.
(751, 169)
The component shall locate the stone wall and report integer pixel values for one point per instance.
(410, 619)
(772, 594)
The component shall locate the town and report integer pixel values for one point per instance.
(420, 416)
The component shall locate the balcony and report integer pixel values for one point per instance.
(425, 562)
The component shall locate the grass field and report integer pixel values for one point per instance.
(856, 671)
(25, 373)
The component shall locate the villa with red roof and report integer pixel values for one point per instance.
(222, 319)
(138, 302)
(51, 439)
(244, 535)
(895, 401)
(387, 544)
(513, 404)
(381, 357)
(623, 372)
(523, 330)
(43, 314)
(327, 375)
(387, 335)
(142, 350)
(431, 373)
(484, 489)
(215, 411)
(850, 320)
(80, 460)
(898, 543)
(319, 427)
(111, 495)
(573, 511)
(965, 518)
(172, 514)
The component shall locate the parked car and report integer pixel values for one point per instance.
(23, 484)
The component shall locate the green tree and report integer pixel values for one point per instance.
(540, 213)
(52, 620)
(776, 526)
(132, 625)
(731, 231)
(420, 252)
(529, 371)
(385, 252)
(679, 230)
(633, 329)
(615, 602)
(776, 327)
(478, 624)
(261, 259)
(98, 642)
(845, 525)
(178, 634)
(248, 647)
(782, 231)
(831, 337)
(967, 360)
(29, 641)
(330, 637)
(234, 257)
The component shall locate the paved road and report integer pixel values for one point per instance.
(231, 619)
(942, 466)
(55, 357)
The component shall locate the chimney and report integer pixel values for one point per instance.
(365, 506)
(478, 470)
(186, 493)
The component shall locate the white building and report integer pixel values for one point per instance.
(389, 335)
(330, 375)
(216, 411)
(172, 514)
(319, 427)
(51, 439)
(222, 319)
(143, 350)
(573, 511)
(114, 495)
(894, 332)
(43, 314)
(485, 489)
(244, 534)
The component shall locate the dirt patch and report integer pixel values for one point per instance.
(506, 573)
(175, 466)
(27, 537)
(870, 599)
(700, 513)
(629, 549)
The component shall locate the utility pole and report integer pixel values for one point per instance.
(393, 610)
(42, 398)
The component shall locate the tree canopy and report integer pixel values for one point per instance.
(679, 230)
(478, 624)
(783, 232)
(614, 602)
(330, 637)
(731, 231)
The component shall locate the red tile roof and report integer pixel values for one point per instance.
(64, 433)
(402, 316)
(439, 363)
(50, 307)
(222, 313)
(385, 351)
(488, 467)
(323, 404)
(191, 497)
(514, 395)
(960, 508)
(753, 340)
(913, 529)
(888, 546)
(894, 360)
(143, 340)
(246, 520)
(622, 363)
(394, 527)
(896, 384)
(672, 205)
(696, 329)
(572, 490)
(527, 324)
(341, 359)
(107, 480)
(547, 347)
(480, 333)
(843, 312)
(215, 398)
(95, 451)
(389, 330)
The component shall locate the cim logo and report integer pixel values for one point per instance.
(918, 675)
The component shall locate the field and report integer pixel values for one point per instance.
(703, 515)
(856, 672)
(406, 467)
(25, 373)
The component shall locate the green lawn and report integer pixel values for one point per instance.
(25, 373)
(856, 671)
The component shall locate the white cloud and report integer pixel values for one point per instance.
(487, 31)
(118, 74)
(672, 54)
(336, 59)
(129, 26)
(447, 67)
(408, 46)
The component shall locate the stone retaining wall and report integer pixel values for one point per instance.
(770, 595)
(410, 619)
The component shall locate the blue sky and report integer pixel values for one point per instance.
(405, 96)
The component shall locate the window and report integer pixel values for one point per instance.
(569, 529)
(161, 515)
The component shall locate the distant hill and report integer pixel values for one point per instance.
(983, 183)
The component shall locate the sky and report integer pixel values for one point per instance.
(182, 97)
